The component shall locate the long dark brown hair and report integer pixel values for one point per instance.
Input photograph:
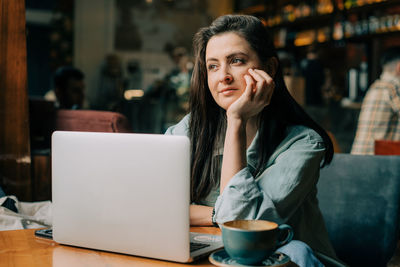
(207, 118)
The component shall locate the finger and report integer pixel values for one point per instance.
(269, 80)
(265, 75)
(250, 84)
(259, 79)
(256, 75)
(269, 84)
(261, 86)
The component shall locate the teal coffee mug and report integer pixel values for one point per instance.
(252, 241)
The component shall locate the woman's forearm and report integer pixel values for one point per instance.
(200, 215)
(234, 150)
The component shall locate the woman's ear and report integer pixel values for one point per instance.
(272, 66)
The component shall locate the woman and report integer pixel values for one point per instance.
(272, 150)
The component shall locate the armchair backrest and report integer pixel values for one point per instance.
(359, 197)
(91, 121)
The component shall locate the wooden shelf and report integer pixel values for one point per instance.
(372, 7)
(367, 37)
(324, 19)
(353, 39)
(257, 9)
(309, 22)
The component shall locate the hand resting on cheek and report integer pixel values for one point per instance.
(257, 95)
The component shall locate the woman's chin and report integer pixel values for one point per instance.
(227, 102)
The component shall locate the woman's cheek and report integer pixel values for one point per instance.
(243, 82)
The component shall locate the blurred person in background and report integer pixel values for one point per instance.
(179, 82)
(380, 111)
(69, 88)
(109, 95)
(170, 95)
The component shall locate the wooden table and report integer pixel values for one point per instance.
(23, 248)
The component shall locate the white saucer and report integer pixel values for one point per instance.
(221, 258)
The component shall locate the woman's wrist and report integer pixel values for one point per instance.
(200, 215)
(236, 123)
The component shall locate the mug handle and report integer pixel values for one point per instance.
(289, 237)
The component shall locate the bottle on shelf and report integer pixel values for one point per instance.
(339, 4)
(352, 84)
(363, 77)
(338, 33)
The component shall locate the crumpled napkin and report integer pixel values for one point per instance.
(16, 215)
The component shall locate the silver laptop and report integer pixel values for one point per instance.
(125, 193)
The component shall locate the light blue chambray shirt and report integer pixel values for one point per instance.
(285, 192)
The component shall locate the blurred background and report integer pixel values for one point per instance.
(125, 66)
(136, 56)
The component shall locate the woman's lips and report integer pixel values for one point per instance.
(228, 92)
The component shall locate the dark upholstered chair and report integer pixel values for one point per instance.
(386, 147)
(359, 197)
(91, 121)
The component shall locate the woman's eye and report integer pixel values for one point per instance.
(212, 66)
(237, 61)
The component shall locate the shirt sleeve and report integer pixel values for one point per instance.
(279, 191)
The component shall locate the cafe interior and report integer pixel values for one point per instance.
(134, 59)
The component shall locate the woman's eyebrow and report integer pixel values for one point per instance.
(236, 54)
(230, 56)
(211, 59)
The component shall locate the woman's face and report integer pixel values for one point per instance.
(228, 58)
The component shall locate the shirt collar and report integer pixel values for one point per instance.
(387, 76)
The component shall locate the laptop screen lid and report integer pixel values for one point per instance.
(126, 193)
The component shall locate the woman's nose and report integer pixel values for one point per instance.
(226, 76)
